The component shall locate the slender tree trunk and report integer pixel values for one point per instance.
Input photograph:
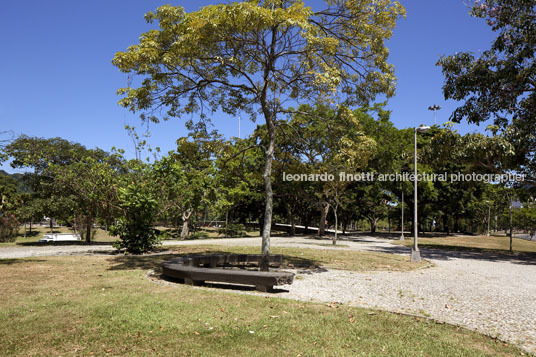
(292, 221)
(186, 224)
(185, 230)
(24, 229)
(267, 177)
(324, 209)
(51, 231)
(88, 229)
(30, 226)
(335, 236)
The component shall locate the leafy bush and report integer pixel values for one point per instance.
(233, 230)
(135, 227)
(9, 226)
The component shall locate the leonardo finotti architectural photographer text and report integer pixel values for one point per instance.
(372, 176)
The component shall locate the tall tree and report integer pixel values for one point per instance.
(500, 83)
(258, 57)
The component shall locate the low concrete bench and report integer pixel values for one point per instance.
(195, 270)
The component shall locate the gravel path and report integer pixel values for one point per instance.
(494, 294)
(495, 298)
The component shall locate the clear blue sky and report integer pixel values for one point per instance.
(57, 79)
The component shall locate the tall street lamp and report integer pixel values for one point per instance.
(434, 108)
(489, 215)
(402, 218)
(415, 252)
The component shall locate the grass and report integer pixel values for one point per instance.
(38, 232)
(492, 243)
(103, 305)
(310, 258)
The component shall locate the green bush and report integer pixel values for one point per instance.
(135, 227)
(9, 227)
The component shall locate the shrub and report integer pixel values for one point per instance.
(134, 228)
(9, 227)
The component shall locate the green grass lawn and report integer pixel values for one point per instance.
(311, 258)
(493, 243)
(104, 305)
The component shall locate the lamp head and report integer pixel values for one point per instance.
(422, 128)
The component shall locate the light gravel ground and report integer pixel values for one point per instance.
(493, 294)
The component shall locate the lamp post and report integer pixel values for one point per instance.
(489, 215)
(415, 252)
(434, 108)
(402, 218)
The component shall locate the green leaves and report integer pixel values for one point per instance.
(499, 84)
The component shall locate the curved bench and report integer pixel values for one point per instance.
(195, 270)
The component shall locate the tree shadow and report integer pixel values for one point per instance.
(154, 261)
(12, 261)
(454, 252)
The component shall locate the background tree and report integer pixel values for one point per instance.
(186, 178)
(500, 84)
(258, 57)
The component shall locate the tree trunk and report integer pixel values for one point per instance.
(292, 221)
(373, 222)
(335, 236)
(24, 229)
(185, 224)
(185, 230)
(30, 226)
(323, 214)
(88, 229)
(51, 225)
(267, 177)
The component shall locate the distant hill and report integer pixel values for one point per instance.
(22, 187)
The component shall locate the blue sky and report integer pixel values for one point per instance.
(58, 80)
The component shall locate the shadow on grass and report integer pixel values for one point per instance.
(448, 252)
(145, 262)
(20, 260)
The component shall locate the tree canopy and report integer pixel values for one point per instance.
(500, 83)
(260, 57)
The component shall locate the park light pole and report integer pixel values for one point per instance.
(434, 108)
(415, 252)
(402, 218)
(489, 215)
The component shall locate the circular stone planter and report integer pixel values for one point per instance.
(197, 269)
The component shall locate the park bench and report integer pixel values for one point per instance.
(195, 270)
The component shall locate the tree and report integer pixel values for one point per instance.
(138, 207)
(257, 57)
(330, 141)
(42, 155)
(185, 178)
(500, 83)
(92, 180)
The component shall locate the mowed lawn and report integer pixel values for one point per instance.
(495, 243)
(104, 305)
